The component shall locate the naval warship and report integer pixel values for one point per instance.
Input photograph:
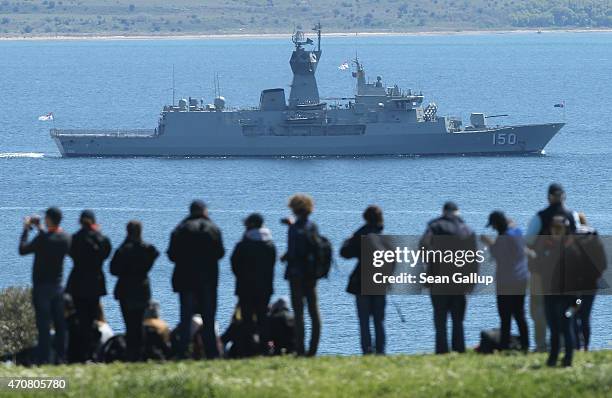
(378, 120)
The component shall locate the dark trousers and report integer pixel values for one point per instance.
(133, 315)
(582, 322)
(558, 323)
(512, 307)
(86, 310)
(305, 288)
(371, 307)
(48, 304)
(203, 302)
(254, 314)
(442, 306)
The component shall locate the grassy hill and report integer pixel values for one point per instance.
(181, 17)
(469, 375)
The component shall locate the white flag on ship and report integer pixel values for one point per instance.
(47, 117)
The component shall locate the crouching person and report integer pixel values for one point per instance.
(131, 263)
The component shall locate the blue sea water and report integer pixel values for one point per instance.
(124, 84)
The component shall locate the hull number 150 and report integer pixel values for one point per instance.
(504, 139)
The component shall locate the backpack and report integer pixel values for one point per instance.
(322, 255)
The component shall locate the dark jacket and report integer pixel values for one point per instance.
(300, 248)
(351, 248)
(253, 262)
(49, 250)
(445, 233)
(89, 249)
(131, 263)
(558, 209)
(195, 248)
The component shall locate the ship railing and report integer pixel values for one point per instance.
(114, 133)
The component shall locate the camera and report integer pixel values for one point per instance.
(34, 221)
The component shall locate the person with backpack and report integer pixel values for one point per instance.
(302, 257)
(538, 227)
(131, 263)
(449, 232)
(371, 306)
(86, 282)
(594, 266)
(49, 247)
(556, 254)
(511, 276)
(253, 261)
(196, 246)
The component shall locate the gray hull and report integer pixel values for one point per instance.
(376, 140)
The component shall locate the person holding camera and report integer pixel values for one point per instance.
(49, 247)
(86, 282)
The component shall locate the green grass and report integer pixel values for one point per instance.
(469, 375)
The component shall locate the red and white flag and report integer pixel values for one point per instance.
(344, 66)
(47, 117)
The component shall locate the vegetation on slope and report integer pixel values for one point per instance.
(180, 17)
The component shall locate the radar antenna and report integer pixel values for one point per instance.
(317, 28)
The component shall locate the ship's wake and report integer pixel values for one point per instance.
(33, 155)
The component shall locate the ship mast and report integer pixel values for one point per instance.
(303, 62)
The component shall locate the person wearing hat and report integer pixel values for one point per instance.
(196, 246)
(86, 283)
(49, 247)
(253, 261)
(540, 225)
(448, 232)
(511, 276)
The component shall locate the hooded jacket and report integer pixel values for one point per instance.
(196, 246)
(89, 249)
(253, 263)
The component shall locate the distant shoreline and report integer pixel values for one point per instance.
(284, 35)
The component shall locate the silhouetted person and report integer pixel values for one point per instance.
(50, 247)
(511, 276)
(556, 303)
(593, 270)
(369, 306)
(448, 232)
(282, 328)
(253, 262)
(86, 283)
(131, 263)
(195, 248)
(539, 226)
(300, 259)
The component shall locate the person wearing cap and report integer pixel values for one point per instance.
(49, 247)
(253, 261)
(86, 283)
(540, 225)
(511, 276)
(448, 232)
(196, 246)
(132, 262)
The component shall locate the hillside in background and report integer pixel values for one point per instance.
(182, 17)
